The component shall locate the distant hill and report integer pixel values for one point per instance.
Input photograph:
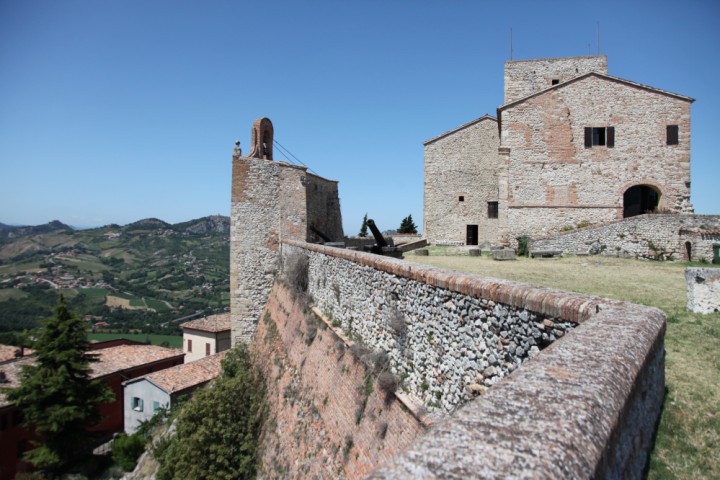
(9, 231)
(138, 276)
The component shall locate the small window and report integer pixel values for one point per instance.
(555, 81)
(189, 345)
(156, 406)
(673, 135)
(207, 349)
(599, 136)
(492, 209)
(461, 198)
(137, 404)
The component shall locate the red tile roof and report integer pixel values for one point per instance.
(123, 357)
(181, 377)
(110, 360)
(213, 323)
(9, 352)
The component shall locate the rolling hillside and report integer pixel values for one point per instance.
(137, 277)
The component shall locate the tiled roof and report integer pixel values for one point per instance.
(110, 360)
(12, 374)
(213, 323)
(181, 377)
(9, 352)
(123, 357)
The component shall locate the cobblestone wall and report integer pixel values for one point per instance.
(590, 400)
(646, 236)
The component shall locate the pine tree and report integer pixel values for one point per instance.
(56, 395)
(364, 228)
(407, 225)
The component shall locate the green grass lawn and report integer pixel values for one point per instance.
(174, 341)
(688, 440)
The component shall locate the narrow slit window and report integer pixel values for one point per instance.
(492, 209)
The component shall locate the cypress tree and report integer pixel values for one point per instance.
(363, 228)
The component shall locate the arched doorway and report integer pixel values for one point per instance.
(640, 199)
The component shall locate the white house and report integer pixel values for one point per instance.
(206, 336)
(144, 396)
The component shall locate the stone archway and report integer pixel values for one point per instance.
(640, 199)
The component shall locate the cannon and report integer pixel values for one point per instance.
(381, 246)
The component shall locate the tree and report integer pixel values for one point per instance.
(407, 225)
(56, 395)
(218, 429)
(363, 228)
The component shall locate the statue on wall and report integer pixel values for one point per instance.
(262, 139)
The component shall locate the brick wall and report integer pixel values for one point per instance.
(644, 236)
(322, 422)
(462, 163)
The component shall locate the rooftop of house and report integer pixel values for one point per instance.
(213, 323)
(181, 377)
(11, 352)
(110, 360)
(123, 357)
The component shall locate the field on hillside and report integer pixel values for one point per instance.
(688, 439)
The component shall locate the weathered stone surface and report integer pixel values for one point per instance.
(703, 289)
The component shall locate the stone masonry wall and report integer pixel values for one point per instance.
(585, 406)
(703, 289)
(445, 346)
(644, 236)
(323, 208)
(525, 77)
(462, 163)
(327, 415)
(554, 180)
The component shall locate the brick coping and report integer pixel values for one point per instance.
(569, 306)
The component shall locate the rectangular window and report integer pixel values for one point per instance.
(156, 406)
(461, 198)
(137, 404)
(673, 135)
(492, 209)
(189, 345)
(555, 81)
(599, 136)
(207, 349)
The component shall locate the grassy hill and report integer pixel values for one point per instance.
(136, 277)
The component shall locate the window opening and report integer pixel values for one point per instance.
(156, 406)
(555, 81)
(472, 235)
(673, 135)
(207, 349)
(461, 198)
(492, 209)
(189, 345)
(137, 404)
(599, 136)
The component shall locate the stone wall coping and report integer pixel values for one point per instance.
(487, 116)
(541, 60)
(561, 415)
(569, 306)
(578, 409)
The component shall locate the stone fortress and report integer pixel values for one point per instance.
(571, 145)
(497, 379)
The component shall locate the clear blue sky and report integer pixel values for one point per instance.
(113, 111)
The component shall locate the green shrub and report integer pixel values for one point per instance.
(522, 250)
(127, 449)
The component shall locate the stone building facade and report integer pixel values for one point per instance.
(573, 145)
(271, 201)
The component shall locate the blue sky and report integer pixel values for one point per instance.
(113, 111)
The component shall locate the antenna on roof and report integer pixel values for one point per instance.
(511, 51)
(598, 37)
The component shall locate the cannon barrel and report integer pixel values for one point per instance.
(379, 239)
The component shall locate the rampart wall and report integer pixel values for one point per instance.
(585, 406)
(644, 236)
